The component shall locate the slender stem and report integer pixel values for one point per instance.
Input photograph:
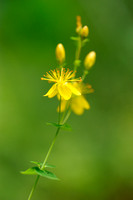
(77, 55)
(48, 153)
(67, 116)
(59, 116)
(84, 75)
(34, 186)
(64, 113)
(78, 49)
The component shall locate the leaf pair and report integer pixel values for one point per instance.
(63, 126)
(84, 41)
(39, 164)
(41, 172)
(38, 171)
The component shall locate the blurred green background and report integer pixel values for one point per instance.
(95, 160)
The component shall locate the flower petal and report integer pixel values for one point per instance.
(83, 102)
(78, 110)
(78, 104)
(73, 89)
(64, 91)
(52, 91)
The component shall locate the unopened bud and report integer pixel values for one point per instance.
(85, 31)
(79, 25)
(60, 53)
(90, 59)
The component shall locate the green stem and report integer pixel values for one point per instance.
(84, 75)
(78, 49)
(67, 116)
(64, 113)
(59, 116)
(77, 55)
(48, 153)
(34, 186)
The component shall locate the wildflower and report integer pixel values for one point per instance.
(60, 53)
(90, 60)
(63, 85)
(85, 31)
(78, 103)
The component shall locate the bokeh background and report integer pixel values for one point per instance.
(95, 160)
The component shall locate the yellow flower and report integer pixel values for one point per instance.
(60, 53)
(85, 31)
(63, 85)
(78, 103)
(90, 59)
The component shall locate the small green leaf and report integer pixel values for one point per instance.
(63, 126)
(74, 38)
(54, 124)
(49, 166)
(46, 174)
(30, 171)
(67, 126)
(39, 164)
(85, 41)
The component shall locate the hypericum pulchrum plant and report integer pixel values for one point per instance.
(70, 92)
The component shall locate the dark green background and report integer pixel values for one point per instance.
(95, 160)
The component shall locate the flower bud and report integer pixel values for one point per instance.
(79, 25)
(60, 53)
(90, 59)
(85, 31)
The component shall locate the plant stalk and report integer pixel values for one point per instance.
(77, 55)
(48, 153)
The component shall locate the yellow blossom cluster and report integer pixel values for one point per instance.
(69, 89)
